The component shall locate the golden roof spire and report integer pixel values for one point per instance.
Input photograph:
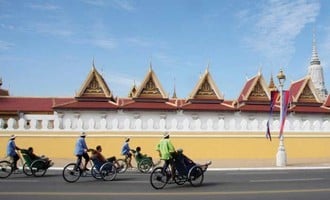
(271, 83)
(174, 91)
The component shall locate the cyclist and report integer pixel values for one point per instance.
(166, 152)
(126, 151)
(11, 151)
(81, 150)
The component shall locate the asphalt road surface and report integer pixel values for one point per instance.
(259, 184)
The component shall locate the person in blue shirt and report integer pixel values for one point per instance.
(11, 151)
(126, 151)
(81, 150)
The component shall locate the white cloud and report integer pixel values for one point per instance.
(277, 25)
(120, 84)
(5, 45)
(45, 6)
(54, 29)
(326, 47)
(119, 4)
(104, 43)
(95, 2)
(138, 42)
(124, 5)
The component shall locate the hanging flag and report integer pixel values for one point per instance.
(273, 98)
(268, 135)
(285, 101)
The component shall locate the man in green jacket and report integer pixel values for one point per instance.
(166, 150)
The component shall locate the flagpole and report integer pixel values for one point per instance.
(281, 154)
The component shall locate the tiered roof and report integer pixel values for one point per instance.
(206, 96)
(255, 95)
(149, 95)
(94, 94)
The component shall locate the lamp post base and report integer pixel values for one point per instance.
(281, 154)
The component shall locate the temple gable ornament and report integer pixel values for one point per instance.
(307, 96)
(258, 93)
(93, 87)
(150, 88)
(206, 89)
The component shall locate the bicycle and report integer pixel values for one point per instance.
(194, 174)
(106, 171)
(144, 164)
(7, 167)
(36, 167)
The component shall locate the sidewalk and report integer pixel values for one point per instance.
(243, 164)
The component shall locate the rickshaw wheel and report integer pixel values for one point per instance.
(27, 170)
(95, 173)
(196, 176)
(38, 168)
(145, 165)
(122, 166)
(108, 171)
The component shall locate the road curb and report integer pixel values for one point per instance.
(245, 168)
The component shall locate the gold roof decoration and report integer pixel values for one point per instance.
(306, 92)
(133, 91)
(255, 89)
(272, 85)
(206, 89)
(150, 87)
(94, 86)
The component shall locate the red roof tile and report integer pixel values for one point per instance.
(327, 102)
(88, 105)
(147, 104)
(295, 87)
(246, 89)
(257, 108)
(309, 109)
(28, 104)
(207, 107)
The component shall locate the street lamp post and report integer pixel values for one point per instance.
(281, 154)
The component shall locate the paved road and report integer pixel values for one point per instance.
(260, 184)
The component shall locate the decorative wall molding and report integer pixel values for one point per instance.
(172, 121)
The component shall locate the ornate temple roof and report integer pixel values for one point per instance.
(303, 91)
(255, 95)
(94, 87)
(205, 96)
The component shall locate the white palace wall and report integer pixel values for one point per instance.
(184, 121)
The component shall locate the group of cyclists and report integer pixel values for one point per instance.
(166, 150)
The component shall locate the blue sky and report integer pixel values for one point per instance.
(47, 46)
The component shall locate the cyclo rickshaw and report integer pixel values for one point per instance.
(37, 167)
(183, 172)
(100, 170)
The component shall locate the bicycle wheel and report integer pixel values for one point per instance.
(108, 171)
(122, 166)
(158, 178)
(71, 173)
(196, 176)
(27, 170)
(38, 168)
(96, 173)
(5, 169)
(145, 165)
